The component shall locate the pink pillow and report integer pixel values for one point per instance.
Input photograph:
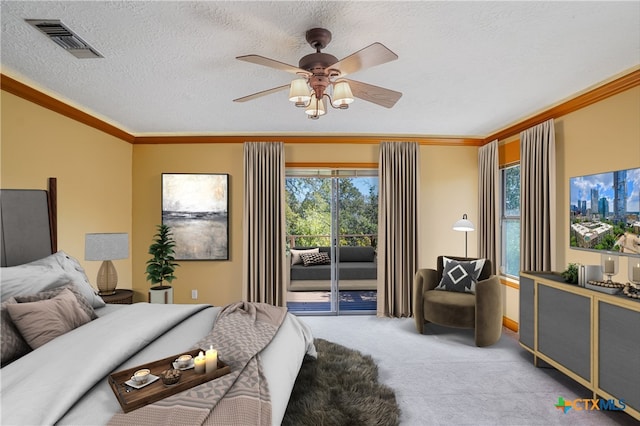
(42, 321)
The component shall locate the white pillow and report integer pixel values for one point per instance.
(50, 272)
(295, 255)
(78, 276)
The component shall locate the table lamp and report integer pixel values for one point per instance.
(106, 247)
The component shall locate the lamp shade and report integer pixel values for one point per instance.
(316, 107)
(106, 246)
(342, 95)
(464, 225)
(299, 92)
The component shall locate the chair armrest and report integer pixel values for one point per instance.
(488, 293)
(423, 280)
(488, 311)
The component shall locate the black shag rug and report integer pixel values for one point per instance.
(340, 388)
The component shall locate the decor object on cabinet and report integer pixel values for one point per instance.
(196, 208)
(634, 271)
(588, 273)
(161, 267)
(106, 247)
(570, 275)
(609, 265)
(464, 225)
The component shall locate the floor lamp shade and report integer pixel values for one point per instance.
(106, 247)
(464, 225)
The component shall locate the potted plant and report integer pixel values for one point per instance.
(570, 275)
(161, 267)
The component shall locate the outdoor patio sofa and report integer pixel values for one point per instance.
(358, 270)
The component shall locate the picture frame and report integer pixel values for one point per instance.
(196, 208)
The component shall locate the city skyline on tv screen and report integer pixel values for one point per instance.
(605, 211)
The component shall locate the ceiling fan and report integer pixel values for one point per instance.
(320, 73)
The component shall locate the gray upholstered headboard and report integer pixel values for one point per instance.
(27, 224)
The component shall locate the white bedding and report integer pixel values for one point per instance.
(65, 381)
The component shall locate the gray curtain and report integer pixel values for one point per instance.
(489, 204)
(399, 174)
(264, 223)
(538, 198)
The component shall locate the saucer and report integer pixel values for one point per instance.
(190, 364)
(152, 378)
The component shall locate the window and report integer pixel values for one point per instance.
(510, 179)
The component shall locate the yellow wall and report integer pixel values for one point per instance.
(93, 171)
(107, 185)
(599, 138)
(220, 282)
(217, 282)
(448, 189)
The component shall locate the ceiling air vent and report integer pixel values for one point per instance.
(64, 37)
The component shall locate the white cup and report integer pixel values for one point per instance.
(140, 377)
(184, 360)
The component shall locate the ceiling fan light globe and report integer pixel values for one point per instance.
(299, 92)
(342, 95)
(316, 107)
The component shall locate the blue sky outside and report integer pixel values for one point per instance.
(362, 183)
(580, 189)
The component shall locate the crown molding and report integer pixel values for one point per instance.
(609, 89)
(30, 94)
(332, 139)
(614, 87)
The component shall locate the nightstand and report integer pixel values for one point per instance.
(121, 297)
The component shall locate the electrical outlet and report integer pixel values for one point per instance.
(194, 294)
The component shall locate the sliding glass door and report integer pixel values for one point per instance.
(331, 241)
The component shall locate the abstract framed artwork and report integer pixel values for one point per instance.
(196, 208)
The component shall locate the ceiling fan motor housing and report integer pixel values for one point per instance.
(317, 62)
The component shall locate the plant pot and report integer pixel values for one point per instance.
(161, 294)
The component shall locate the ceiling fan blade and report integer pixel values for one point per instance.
(370, 56)
(272, 63)
(260, 94)
(377, 95)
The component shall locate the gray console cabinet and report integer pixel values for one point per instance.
(590, 336)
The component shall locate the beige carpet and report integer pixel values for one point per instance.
(442, 378)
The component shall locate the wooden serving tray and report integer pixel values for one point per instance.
(131, 398)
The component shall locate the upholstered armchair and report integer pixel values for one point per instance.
(480, 310)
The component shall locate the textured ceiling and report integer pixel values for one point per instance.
(465, 68)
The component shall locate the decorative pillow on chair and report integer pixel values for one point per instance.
(460, 276)
(320, 258)
(295, 254)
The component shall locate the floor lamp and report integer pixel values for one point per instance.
(465, 226)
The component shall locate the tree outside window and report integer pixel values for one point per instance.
(510, 177)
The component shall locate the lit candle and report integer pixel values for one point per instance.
(211, 360)
(635, 275)
(608, 266)
(199, 363)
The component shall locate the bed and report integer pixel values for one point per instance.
(64, 379)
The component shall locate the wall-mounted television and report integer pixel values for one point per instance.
(605, 212)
